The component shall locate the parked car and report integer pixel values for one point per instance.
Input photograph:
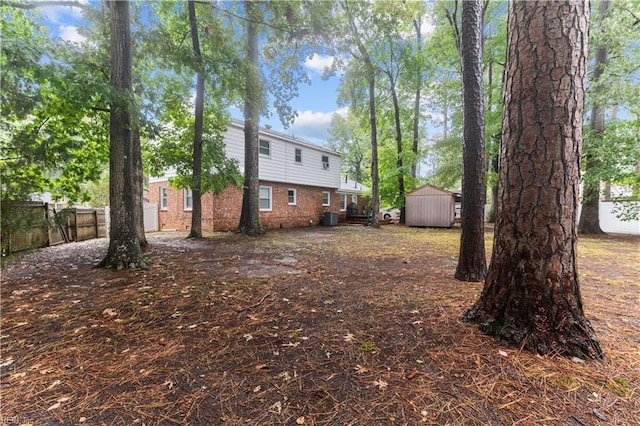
(390, 213)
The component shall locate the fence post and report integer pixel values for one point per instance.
(95, 217)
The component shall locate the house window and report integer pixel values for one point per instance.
(298, 156)
(265, 148)
(326, 198)
(164, 198)
(187, 196)
(265, 198)
(292, 196)
(325, 162)
(343, 202)
(354, 199)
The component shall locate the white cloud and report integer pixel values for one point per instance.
(318, 63)
(70, 33)
(56, 14)
(314, 125)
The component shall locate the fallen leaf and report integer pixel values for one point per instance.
(381, 384)
(8, 362)
(110, 312)
(577, 360)
(503, 353)
(276, 408)
(53, 384)
(54, 406)
(412, 375)
(360, 369)
(257, 389)
(348, 337)
(247, 337)
(300, 420)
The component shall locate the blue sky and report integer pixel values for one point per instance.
(316, 104)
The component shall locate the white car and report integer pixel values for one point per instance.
(390, 213)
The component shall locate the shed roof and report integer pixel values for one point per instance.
(429, 190)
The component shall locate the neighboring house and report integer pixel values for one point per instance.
(299, 182)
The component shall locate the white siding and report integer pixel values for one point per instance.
(280, 166)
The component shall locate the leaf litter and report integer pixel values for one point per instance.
(127, 347)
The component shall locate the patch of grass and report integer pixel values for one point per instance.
(368, 347)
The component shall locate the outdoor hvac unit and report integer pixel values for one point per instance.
(330, 219)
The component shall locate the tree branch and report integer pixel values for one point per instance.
(44, 3)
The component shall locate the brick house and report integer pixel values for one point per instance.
(299, 182)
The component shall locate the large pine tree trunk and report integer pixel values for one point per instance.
(472, 265)
(124, 247)
(416, 101)
(196, 211)
(531, 296)
(590, 216)
(250, 215)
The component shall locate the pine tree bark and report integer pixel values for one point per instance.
(531, 297)
(472, 264)
(250, 215)
(416, 103)
(124, 246)
(590, 215)
(138, 187)
(196, 181)
(399, 162)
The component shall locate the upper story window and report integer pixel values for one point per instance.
(187, 195)
(265, 198)
(326, 198)
(265, 147)
(298, 156)
(325, 162)
(292, 196)
(164, 198)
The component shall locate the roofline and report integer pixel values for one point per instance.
(263, 130)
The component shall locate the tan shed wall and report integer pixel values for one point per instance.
(430, 207)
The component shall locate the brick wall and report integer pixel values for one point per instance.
(222, 212)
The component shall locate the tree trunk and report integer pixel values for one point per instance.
(590, 215)
(399, 163)
(138, 187)
(472, 265)
(416, 103)
(375, 177)
(124, 246)
(250, 215)
(196, 211)
(531, 297)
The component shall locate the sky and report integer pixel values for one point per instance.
(315, 105)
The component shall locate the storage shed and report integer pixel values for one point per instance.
(430, 206)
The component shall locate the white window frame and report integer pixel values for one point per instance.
(164, 198)
(187, 199)
(270, 199)
(268, 147)
(354, 199)
(325, 164)
(343, 202)
(295, 196)
(328, 194)
(297, 151)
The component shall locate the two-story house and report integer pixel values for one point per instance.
(299, 182)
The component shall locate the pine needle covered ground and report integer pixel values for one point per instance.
(322, 326)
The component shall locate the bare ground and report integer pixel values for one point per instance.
(320, 326)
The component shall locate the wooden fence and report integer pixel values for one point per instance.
(40, 225)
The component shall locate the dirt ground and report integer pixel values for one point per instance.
(322, 326)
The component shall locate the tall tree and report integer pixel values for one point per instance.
(472, 265)
(531, 295)
(250, 215)
(590, 215)
(196, 212)
(124, 246)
